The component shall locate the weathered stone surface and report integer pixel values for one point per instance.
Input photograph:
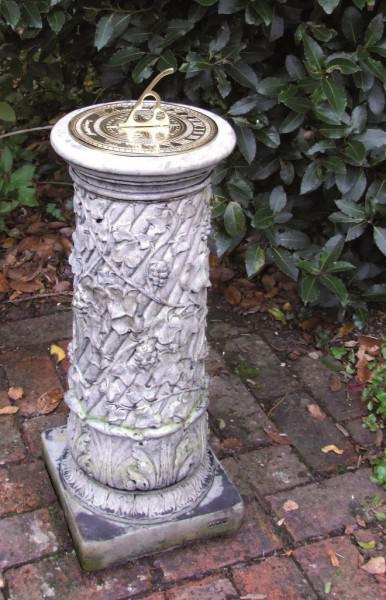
(24, 487)
(101, 541)
(272, 469)
(255, 538)
(233, 408)
(11, 444)
(254, 362)
(324, 507)
(309, 434)
(40, 330)
(61, 578)
(28, 537)
(33, 428)
(33, 372)
(348, 581)
(273, 579)
(210, 588)
(316, 377)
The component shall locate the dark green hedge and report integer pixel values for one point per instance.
(302, 82)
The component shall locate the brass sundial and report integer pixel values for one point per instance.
(144, 127)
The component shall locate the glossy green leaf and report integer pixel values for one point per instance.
(380, 238)
(31, 14)
(6, 112)
(331, 251)
(355, 152)
(234, 219)
(110, 27)
(254, 259)
(243, 74)
(309, 289)
(311, 179)
(335, 285)
(277, 199)
(329, 5)
(335, 94)
(125, 55)
(375, 30)
(285, 262)
(292, 239)
(291, 122)
(352, 25)
(263, 218)
(56, 20)
(314, 53)
(246, 143)
(10, 11)
(264, 9)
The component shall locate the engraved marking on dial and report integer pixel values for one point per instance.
(103, 128)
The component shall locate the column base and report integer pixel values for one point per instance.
(101, 541)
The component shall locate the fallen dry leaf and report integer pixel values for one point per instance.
(345, 329)
(232, 295)
(316, 412)
(290, 505)
(9, 410)
(231, 444)
(249, 302)
(349, 529)
(371, 345)
(375, 566)
(254, 597)
(49, 401)
(333, 557)
(278, 438)
(335, 383)
(361, 522)
(332, 448)
(26, 286)
(4, 287)
(379, 438)
(58, 352)
(15, 393)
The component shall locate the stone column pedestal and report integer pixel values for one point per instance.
(132, 468)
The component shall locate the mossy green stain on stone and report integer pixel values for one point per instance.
(241, 366)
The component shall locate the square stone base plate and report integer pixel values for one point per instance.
(101, 541)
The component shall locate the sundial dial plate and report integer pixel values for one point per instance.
(105, 128)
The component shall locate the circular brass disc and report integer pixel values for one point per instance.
(105, 128)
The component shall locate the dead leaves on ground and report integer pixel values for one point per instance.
(49, 401)
(35, 258)
(375, 566)
(275, 293)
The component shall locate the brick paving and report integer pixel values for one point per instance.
(268, 441)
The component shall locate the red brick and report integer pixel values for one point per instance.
(324, 507)
(255, 538)
(270, 470)
(348, 581)
(33, 428)
(253, 360)
(24, 488)
(234, 411)
(33, 372)
(211, 588)
(316, 377)
(309, 434)
(29, 536)
(274, 579)
(360, 434)
(63, 579)
(11, 444)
